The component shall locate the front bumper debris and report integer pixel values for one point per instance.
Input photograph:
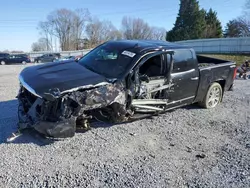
(59, 117)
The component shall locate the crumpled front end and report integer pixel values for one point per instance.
(59, 116)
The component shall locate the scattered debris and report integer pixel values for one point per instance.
(201, 156)
(189, 150)
(132, 134)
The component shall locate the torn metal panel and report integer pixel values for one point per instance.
(99, 97)
(153, 87)
(168, 86)
(149, 102)
(85, 87)
(148, 107)
(58, 117)
(62, 128)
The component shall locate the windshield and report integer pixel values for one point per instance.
(108, 60)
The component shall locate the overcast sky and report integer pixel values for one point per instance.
(19, 19)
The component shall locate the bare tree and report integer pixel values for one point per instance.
(40, 45)
(82, 16)
(100, 31)
(158, 33)
(245, 25)
(62, 21)
(46, 29)
(75, 30)
(65, 25)
(35, 47)
(135, 28)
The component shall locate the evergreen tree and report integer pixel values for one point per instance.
(213, 25)
(194, 23)
(190, 22)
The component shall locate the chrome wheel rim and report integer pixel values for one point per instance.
(214, 97)
(2, 63)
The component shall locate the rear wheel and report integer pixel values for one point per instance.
(39, 61)
(24, 62)
(213, 96)
(3, 63)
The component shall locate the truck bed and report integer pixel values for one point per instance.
(214, 70)
(204, 61)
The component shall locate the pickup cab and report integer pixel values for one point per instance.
(119, 81)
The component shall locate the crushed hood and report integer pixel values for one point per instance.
(59, 76)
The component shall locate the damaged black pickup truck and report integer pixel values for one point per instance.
(118, 81)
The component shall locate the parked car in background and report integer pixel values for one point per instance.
(78, 57)
(3, 57)
(14, 59)
(69, 58)
(52, 57)
(65, 58)
(25, 55)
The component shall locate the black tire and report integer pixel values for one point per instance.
(213, 96)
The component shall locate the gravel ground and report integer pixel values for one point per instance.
(188, 147)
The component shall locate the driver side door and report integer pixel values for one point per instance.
(152, 78)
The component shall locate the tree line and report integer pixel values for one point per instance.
(77, 29)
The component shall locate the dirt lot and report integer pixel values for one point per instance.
(188, 147)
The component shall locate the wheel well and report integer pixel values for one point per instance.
(222, 83)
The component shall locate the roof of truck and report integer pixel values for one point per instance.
(140, 46)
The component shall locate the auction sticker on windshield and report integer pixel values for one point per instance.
(127, 53)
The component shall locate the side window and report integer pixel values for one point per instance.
(153, 67)
(183, 60)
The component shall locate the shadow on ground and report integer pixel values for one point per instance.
(9, 120)
(8, 125)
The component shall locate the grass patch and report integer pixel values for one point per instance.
(239, 59)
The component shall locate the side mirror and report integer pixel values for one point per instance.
(144, 78)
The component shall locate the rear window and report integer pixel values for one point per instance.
(183, 60)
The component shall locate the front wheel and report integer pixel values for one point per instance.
(24, 62)
(213, 96)
(3, 63)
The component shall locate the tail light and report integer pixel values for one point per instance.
(235, 73)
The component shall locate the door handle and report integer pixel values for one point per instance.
(195, 78)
